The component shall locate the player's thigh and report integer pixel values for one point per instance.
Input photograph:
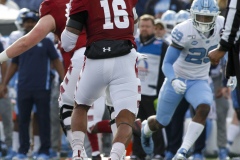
(92, 83)
(125, 86)
(199, 93)
(168, 101)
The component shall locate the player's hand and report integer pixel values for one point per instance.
(232, 82)
(215, 56)
(141, 56)
(179, 86)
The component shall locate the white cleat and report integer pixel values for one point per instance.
(79, 155)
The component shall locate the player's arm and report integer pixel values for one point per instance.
(135, 21)
(171, 56)
(45, 25)
(73, 28)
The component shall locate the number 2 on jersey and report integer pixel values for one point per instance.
(199, 55)
(117, 14)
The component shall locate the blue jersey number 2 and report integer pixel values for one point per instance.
(199, 55)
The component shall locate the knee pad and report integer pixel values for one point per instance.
(63, 115)
(112, 119)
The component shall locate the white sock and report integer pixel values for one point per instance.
(36, 143)
(15, 141)
(77, 142)
(232, 132)
(146, 129)
(193, 132)
(118, 149)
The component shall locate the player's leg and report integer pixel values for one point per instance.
(89, 88)
(95, 114)
(199, 95)
(168, 101)
(124, 91)
(67, 88)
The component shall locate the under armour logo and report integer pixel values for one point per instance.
(107, 49)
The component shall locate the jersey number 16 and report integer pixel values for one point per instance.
(117, 14)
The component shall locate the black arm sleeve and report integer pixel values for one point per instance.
(78, 20)
(231, 25)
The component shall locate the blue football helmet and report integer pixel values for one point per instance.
(18, 22)
(24, 14)
(204, 14)
(169, 19)
(181, 16)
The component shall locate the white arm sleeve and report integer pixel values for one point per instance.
(136, 24)
(135, 29)
(135, 14)
(68, 40)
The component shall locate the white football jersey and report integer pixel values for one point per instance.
(193, 62)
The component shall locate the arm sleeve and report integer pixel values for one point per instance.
(171, 56)
(231, 25)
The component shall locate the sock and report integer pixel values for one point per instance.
(118, 149)
(36, 143)
(77, 142)
(193, 132)
(93, 141)
(232, 132)
(146, 129)
(103, 127)
(15, 141)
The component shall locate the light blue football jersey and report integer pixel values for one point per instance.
(193, 62)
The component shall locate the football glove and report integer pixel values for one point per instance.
(179, 86)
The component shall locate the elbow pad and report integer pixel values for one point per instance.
(68, 40)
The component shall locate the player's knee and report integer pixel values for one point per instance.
(203, 110)
(125, 117)
(64, 116)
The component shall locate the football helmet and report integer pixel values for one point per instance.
(24, 14)
(18, 21)
(169, 19)
(204, 14)
(181, 16)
